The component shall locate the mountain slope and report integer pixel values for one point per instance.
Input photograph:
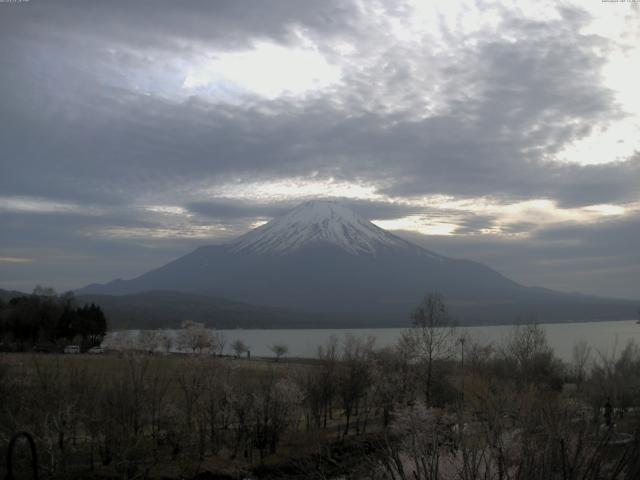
(6, 295)
(322, 257)
(168, 309)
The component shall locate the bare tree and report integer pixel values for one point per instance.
(242, 403)
(279, 350)
(393, 378)
(414, 445)
(189, 439)
(166, 341)
(615, 378)
(195, 337)
(327, 379)
(218, 342)
(310, 384)
(275, 399)
(216, 402)
(122, 418)
(432, 335)
(581, 356)
(354, 376)
(239, 348)
(529, 355)
(149, 341)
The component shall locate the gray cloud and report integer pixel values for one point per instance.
(167, 24)
(531, 98)
(88, 118)
(600, 258)
(228, 209)
(232, 209)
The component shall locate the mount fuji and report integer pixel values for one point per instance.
(321, 257)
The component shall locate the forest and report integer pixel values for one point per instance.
(45, 321)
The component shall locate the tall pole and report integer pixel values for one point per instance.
(462, 340)
(461, 421)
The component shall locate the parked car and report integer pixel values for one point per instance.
(95, 350)
(72, 349)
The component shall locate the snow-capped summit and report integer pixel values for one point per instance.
(359, 273)
(318, 222)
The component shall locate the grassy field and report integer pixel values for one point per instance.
(130, 415)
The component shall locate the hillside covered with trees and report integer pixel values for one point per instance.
(46, 321)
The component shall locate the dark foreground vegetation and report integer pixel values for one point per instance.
(435, 406)
(355, 411)
(45, 321)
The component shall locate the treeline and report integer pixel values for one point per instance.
(47, 321)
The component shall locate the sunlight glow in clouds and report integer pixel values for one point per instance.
(168, 210)
(41, 205)
(268, 70)
(537, 213)
(418, 223)
(160, 232)
(15, 260)
(621, 73)
(447, 212)
(465, 20)
(620, 140)
(296, 189)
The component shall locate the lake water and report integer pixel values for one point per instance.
(605, 337)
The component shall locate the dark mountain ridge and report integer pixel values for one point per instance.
(323, 258)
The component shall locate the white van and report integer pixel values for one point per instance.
(72, 349)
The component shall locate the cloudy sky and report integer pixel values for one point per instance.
(504, 132)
